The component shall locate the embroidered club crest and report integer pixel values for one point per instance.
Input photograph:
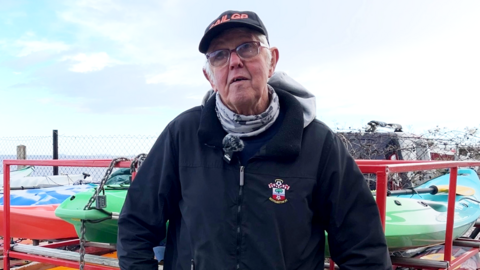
(278, 191)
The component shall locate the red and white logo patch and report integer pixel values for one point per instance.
(279, 190)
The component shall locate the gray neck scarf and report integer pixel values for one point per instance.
(248, 125)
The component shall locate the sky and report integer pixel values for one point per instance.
(129, 67)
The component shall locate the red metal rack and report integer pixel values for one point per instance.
(8, 253)
(382, 168)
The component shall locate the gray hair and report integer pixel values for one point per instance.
(261, 37)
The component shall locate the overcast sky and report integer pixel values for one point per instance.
(129, 67)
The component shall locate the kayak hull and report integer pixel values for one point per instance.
(99, 226)
(32, 213)
(48, 181)
(411, 221)
(16, 174)
(467, 210)
(419, 220)
(36, 222)
(410, 227)
(44, 196)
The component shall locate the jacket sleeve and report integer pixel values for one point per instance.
(350, 213)
(151, 199)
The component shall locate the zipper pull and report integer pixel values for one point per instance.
(192, 265)
(242, 176)
(227, 156)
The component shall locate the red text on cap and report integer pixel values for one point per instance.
(225, 18)
(239, 16)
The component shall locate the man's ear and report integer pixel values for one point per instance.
(273, 61)
(210, 80)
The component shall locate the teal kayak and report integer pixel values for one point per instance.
(411, 220)
(432, 229)
(101, 225)
(420, 220)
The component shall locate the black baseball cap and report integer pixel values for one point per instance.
(231, 19)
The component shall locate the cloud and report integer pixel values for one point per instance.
(148, 58)
(30, 44)
(143, 32)
(26, 63)
(423, 81)
(365, 58)
(117, 89)
(178, 75)
(90, 62)
(152, 39)
(27, 47)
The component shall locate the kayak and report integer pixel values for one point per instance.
(44, 196)
(419, 220)
(99, 225)
(47, 181)
(32, 213)
(428, 227)
(411, 220)
(37, 222)
(16, 174)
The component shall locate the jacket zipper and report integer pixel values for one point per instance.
(239, 210)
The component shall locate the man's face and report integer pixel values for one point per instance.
(242, 84)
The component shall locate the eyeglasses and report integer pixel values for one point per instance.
(245, 51)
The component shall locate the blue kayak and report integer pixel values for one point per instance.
(44, 196)
(465, 177)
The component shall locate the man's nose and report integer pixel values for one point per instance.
(235, 60)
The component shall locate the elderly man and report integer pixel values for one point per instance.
(250, 179)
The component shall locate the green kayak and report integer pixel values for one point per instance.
(420, 220)
(428, 226)
(411, 221)
(101, 224)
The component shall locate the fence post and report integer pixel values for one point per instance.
(55, 150)
(21, 154)
(456, 152)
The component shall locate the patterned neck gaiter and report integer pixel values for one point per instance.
(237, 125)
(248, 125)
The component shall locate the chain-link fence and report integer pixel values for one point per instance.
(439, 144)
(75, 147)
(391, 145)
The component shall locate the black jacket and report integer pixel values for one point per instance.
(231, 216)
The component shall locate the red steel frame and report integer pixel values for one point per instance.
(7, 253)
(383, 167)
(379, 167)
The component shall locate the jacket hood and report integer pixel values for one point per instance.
(280, 80)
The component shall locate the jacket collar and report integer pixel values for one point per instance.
(210, 131)
(284, 145)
